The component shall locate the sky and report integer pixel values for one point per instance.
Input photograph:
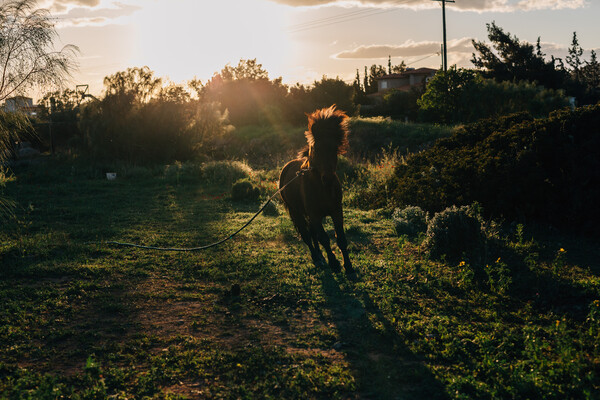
(302, 40)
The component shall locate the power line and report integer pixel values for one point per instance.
(326, 19)
(421, 59)
(339, 21)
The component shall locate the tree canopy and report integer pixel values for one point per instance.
(508, 59)
(27, 56)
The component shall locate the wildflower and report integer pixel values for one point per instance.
(557, 323)
(561, 250)
(462, 264)
(498, 260)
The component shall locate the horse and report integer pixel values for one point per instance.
(311, 190)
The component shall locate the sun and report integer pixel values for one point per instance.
(188, 38)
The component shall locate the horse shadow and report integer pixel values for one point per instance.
(384, 367)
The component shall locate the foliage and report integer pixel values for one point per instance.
(14, 127)
(329, 91)
(62, 108)
(411, 221)
(574, 58)
(545, 169)
(401, 105)
(444, 98)
(453, 233)
(513, 60)
(461, 95)
(27, 55)
(81, 320)
(134, 85)
(244, 190)
(138, 123)
(368, 136)
(225, 172)
(247, 93)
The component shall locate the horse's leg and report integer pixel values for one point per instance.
(340, 235)
(307, 237)
(334, 264)
(314, 233)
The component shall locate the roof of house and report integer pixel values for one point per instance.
(418, 71)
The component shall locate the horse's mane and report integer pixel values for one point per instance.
(327, 125)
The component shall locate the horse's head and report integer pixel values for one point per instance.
(327, 137)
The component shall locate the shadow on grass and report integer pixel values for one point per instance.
(384, 367)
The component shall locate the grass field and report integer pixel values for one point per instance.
(90, 321)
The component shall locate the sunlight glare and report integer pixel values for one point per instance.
(186, 38)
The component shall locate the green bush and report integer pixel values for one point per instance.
(271, 210)
(462, 95)
(453, 233)
(159, 131)
(410, 221)
(225, 172)
(244, 190)
(370, 135)
(516, 167)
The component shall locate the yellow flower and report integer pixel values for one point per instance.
(462, 264)
(557, 323)
(498, 260)
(562, 250)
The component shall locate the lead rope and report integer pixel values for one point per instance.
(139, 246)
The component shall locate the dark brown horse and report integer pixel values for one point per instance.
(317, 192)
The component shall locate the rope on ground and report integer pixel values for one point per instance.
(188, 249)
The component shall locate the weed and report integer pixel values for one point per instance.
(411, 221)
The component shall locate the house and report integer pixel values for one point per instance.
(404, 81)
(21, 104)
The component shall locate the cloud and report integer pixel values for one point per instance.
(61, 6)
(84, 16)
(405, 50)
(462, 5)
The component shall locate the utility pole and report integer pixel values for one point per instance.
(445, 59)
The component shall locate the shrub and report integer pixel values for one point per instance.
(516, 167)
(158, 131)
(410, 221)
(244, 190)
(452, 233)
(223, 172)
(461, 95)
(271, 210)
(370, 135)
(187, 171)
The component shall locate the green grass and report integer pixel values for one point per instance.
(86, 321)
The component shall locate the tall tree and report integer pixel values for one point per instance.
(398, 69)
(591, 71)
(27, 59)
(574, 57)
(376, 71)
(512, 60)
(138, 83)
(27, 55)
